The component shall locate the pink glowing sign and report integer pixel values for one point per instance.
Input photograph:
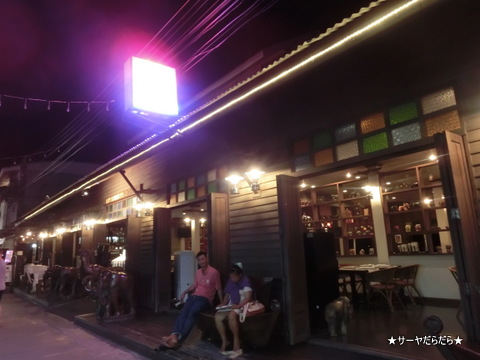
(150, 87)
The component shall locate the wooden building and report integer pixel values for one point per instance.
(370, 130)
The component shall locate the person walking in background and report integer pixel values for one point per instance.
(238, 293)
(3, 270)
(207, 283)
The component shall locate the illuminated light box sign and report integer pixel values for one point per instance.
(150, 87)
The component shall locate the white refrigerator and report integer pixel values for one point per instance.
(185, 267)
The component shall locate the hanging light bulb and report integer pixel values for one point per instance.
(68, 106)
(48, 105)
(25, 104)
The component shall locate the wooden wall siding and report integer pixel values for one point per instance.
(162, 249)
(145, 263)
(472, 128)
(149, 172)
(254, 229)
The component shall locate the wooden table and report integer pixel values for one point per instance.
(360, 271)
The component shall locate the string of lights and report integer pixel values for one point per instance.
(201, 26)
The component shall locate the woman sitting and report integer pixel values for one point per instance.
(238, 292)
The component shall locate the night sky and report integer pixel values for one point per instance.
(75, 50)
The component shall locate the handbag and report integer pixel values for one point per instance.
(252, 308)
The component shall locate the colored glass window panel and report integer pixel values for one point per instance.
(406, 134)
(443, 122)
(347, 150)
(439, 100)
(323, 157)
(190, 182)
(212, 175)
(181, 196)
(173, 199)
(372, 123)
(173, 188)
(345, 132)
(402, 113)
(181, 185)
(375, 143)
(201, 191)
(303, 162)
(190, 194)
(322, 140)
(201, 179)
(212, 187)
(301, 147)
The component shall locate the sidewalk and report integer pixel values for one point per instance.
(60, 336)
(29, 332)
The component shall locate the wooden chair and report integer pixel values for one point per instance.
(344, 282)
(405, 279)
(383, 282)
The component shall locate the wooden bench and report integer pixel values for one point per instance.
(466, 351)
(256, 330)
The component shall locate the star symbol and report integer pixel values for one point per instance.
(391, 341)
(458, 340)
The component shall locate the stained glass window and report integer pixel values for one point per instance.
(439, 100)
(212, 175)
(323, 157)
(345, 132)
(212, 187)
(372, 123)
(181, 196)
(302, 162)
(442, 122)
(301, 147)
(403, 113)
(201, 191)
(375, 143)
(347, 150)
(190, 194)
(181, 185)
(406, 134)
(201, 179)
(322, 140)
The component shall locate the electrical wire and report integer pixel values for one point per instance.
(211, 20)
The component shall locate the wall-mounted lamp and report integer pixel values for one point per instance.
(234, 180)
(203, 222)
(144, 209)
(254, 177)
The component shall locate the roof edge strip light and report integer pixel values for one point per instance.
(237, 100)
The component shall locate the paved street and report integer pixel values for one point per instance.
(29, 332)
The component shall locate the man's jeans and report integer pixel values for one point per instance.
(188, 315)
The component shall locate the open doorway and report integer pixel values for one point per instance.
(189, 228)
(189, 235)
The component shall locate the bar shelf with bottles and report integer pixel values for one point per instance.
(344, 209)
(415, 214)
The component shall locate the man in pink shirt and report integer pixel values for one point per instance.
(207, 283)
